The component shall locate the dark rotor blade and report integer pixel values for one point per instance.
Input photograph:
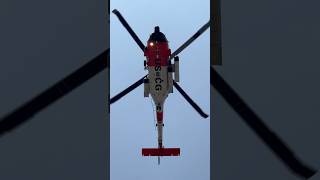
(131, 32)
(257, 125)
(126, 91)
(190, 40)
(55, 92)
(215, 31)
(191, 102)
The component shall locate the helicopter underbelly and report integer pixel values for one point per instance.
(158, 81)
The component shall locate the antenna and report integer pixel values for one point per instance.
(156, 29)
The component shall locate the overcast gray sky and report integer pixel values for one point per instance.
(132, 122)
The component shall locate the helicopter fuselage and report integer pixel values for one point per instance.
(162, 76)
(159, 81)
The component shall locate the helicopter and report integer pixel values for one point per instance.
(60, 89)
(163, 75)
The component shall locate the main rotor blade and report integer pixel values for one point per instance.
(55, 92)
(256, 124)
(131, 32)
(126, 91)
(191, 102)
(190, 40)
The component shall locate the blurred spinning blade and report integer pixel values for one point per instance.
(279, 148)
(53, 93)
